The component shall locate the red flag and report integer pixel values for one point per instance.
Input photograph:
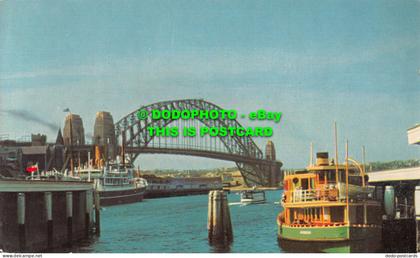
(32, 169)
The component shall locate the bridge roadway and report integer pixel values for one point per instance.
(202, 153)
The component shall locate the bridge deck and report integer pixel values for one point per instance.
(202, 153)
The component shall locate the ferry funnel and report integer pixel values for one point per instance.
(322, 159)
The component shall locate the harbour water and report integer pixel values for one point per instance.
(179, 225)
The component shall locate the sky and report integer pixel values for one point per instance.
(354, 62)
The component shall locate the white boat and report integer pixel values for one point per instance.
(252, 197)
(115, 184)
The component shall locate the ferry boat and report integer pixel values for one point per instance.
(329, 202)
(115, 183)
(252, 196)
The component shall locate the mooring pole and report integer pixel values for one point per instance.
(69, 215)
(226, 219)
(97, 214)
(210, 216)
(21, 221)
(219, 222)
(48, 212)
(88, 212)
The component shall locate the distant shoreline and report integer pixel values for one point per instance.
(243, 188)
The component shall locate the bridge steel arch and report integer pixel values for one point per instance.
(135, 139)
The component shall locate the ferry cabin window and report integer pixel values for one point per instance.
(322, 177)
(327, 176)
(305, 184)
(342, 176)
(337, 214)
(355, 180)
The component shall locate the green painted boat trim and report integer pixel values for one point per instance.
(329, 234)
(336, 233)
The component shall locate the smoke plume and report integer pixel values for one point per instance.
(29, 116)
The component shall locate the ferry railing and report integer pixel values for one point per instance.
(312, 195)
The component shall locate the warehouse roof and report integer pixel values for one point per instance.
(34, 150)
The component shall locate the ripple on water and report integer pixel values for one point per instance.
(179, 225)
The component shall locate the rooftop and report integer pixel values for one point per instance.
(405, 174)
(413, 134)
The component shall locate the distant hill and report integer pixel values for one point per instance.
(190, 172)
(370, 167)
(382, 165)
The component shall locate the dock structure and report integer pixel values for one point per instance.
(413, 135)
(219, 224)
(396, 176)
(400, 193)
(401, 223)
(42, 215)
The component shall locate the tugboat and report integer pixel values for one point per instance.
(329, 203)
(252, 196)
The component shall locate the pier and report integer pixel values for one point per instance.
(42, 215)
(397, 189)
(400, 193)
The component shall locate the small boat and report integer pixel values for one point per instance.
(252, 196)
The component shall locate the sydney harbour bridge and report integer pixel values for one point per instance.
(133, 138)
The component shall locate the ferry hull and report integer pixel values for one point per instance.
(329, 234)
(108, 198)
(356, 246)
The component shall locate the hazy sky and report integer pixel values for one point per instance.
(356, 62)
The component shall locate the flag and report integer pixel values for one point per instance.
(32, 169)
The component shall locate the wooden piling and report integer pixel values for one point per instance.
(210, 215)
(219, 223)
(97, 214)
(218, 229)
(88, 212)
(227, 221)
(418, 234)
(21, 220)
(48, 212)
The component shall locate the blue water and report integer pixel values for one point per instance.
(179, 225)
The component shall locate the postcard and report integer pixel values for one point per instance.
(186, 127)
